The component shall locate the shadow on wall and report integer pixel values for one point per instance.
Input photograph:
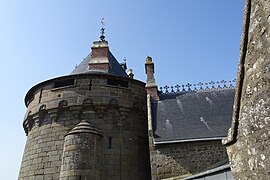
(188, 158)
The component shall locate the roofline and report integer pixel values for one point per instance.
(220, 168)
(35, 87)
(188, 140)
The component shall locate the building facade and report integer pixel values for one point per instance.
(100, 123)
(186, 125)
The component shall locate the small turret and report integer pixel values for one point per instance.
(82, 153)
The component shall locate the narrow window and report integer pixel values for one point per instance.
(110, 142)
(90, 85)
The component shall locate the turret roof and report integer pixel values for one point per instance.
(114, 67)
(84, 127)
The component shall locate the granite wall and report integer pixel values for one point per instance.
(248, 140)
(116, 107)
(181, 159)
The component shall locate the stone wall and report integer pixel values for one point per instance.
(180, 159)
(82, 153)
(248, 141)
(117, 111)
(43, 151)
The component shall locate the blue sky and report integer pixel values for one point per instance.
(189, 41)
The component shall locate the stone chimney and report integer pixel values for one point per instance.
(151, 86)
(100, 56)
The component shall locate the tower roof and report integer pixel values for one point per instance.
(100, 60)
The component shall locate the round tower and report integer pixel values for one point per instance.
(82, 153)
(100, 91)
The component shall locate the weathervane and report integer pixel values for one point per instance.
(102, 30)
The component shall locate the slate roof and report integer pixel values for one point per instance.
(192, 115)
(115, 68)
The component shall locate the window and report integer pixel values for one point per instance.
(64, 84)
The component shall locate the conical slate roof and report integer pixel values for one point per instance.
(114, 66)
(99, 61)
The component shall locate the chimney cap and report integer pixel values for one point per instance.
(149, 60)
(100, 44)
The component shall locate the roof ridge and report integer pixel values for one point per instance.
(212, 85)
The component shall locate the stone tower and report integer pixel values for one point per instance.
(90, 124)
(248, 140)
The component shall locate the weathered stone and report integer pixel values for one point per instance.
(185, 158)
(248, 140)
(125, 154)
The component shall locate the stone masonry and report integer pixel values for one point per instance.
(248, 140)
(56, 106)
(183, 159)
(178, 159)
(82, 153)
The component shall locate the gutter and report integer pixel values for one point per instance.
(220, 168)
(188, 140)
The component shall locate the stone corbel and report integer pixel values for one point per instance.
(28, 123)
(62, 106)
(42, 113)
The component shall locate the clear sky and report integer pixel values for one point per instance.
(189, 41)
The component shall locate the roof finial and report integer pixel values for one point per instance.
(102, 30)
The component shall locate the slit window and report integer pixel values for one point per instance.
(110, 142)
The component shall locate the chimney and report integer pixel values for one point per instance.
(151, 86)
(130, 73)
(99, 56)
